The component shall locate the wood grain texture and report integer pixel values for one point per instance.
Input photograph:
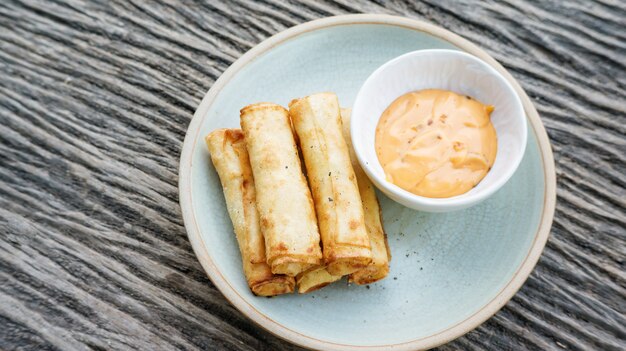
(95, 99)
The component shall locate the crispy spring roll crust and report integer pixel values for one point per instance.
(314, 279)
(283, 198)
(230, 157)
(317, 123)
(381, 255)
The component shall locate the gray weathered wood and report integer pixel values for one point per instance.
(95, 98)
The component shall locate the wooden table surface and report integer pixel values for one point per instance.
(95, 99)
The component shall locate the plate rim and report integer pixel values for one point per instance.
(284, 332)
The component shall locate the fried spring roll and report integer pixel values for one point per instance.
(317, 123)
(381, 255)
(230, 157)
(314, 279)
(284, 201)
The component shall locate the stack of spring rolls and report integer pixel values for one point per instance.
(289, 230)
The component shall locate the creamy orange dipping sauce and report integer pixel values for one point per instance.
(436, 143)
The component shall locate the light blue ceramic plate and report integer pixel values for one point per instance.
(449, 272)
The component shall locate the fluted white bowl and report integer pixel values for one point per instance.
(440, 69)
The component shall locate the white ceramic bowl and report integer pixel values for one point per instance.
(440, 69)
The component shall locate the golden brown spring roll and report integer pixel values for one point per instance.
(315, 278)
(284, 201)
(317, 123)
(230, 157)
(381, 255)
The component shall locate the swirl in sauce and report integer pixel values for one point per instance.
(436, 143)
